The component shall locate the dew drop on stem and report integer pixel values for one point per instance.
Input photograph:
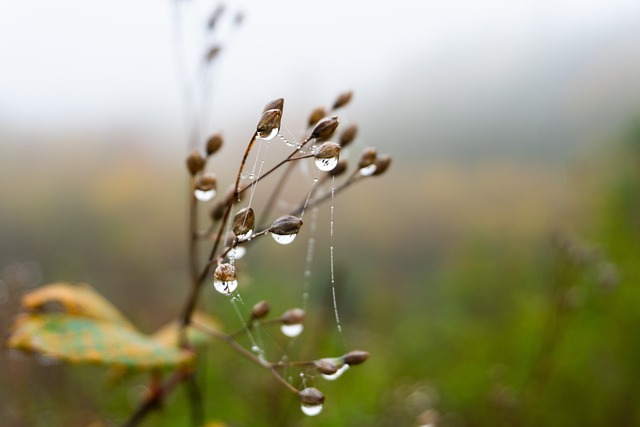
(368, 170)
(311, 410)
(337, 374)
(204, 195)
(327, 164)
(268, 135)
(292, 330)
(283, 239)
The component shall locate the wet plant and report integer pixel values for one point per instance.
(75, 324)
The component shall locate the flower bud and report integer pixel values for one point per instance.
(324, 128)
(316, 115)
(325, 366)
(382, 164)
(269, 121)
(225, 273)
(195, 162)
(260, 310)
(348, 135)
(355, 357)
(311, 396)
(327, 150)
(214, 143)
(293, 316)
(243, 221)
(276, 104)
(285, 225)
(367, 158)
(342, 100)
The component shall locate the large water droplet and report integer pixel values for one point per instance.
(245, 236)
(368, 170)
(204, 195)
(292, 330)
(311, 410)
(268, 136)
(284, 239)
(237, 252)
(225, 287)
(327, 164)
(337, 374)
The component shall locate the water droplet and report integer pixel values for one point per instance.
(245, 236)
(268, 136)
(225, 287)
(255, 349)
(337, 374)
(292, 330)
(368, 170)
(311, 410)
(315, 179)
(284, 239)
(327, 164)
(237, 252)
(204, 195)
(307, 273)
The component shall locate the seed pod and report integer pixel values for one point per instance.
(243, 221)
(195, 162)
(325, 366)
(217, 211)
(382, 164)
(316, 115)
(214, 143)
(340, 168)
(260, 310)
(325, 128)
(293, 316)
(212, 53)
(367, 158)
(355, 357)
(276, 104)
(215, 16)
(269, 121)
(311, 396)
(285, 225)
(327, 150)
(348, 135)
(342, 100)
(225, 273)
(207, 182)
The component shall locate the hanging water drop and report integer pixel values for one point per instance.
(225, 279)
(283, 239)
(328, 164)
(255, 348)
(237, 252)
(245, 236)
(368, 170)
(292, 330)
(268, 135)
(311, 410)
(225, 287)
(204, 195)
(337, 374)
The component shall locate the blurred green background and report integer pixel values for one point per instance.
(491, 272)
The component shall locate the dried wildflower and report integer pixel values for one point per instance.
(225, 279)
(214, 143)
(348, 135)
(342, 100)
(243, 222)
(260, 309)
(316, 115)
(325, 128)
(195, 162)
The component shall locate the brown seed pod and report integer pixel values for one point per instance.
(276, 104)
(367, 158)
(207, 182)
(195, 162)
(293, 316)
(225, 273)
(214, 143)
(355, 357)
(260, 309)
(342, 100)
(212, 53)
(324, 128)
(269, 121)
(348, 135)
(327, 150)
(243, 221)
(285, 225)
(311, 396)
(382, 164)
(340, 168)
(326, 366)
(317, 115)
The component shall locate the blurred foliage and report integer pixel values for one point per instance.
(495, 294)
